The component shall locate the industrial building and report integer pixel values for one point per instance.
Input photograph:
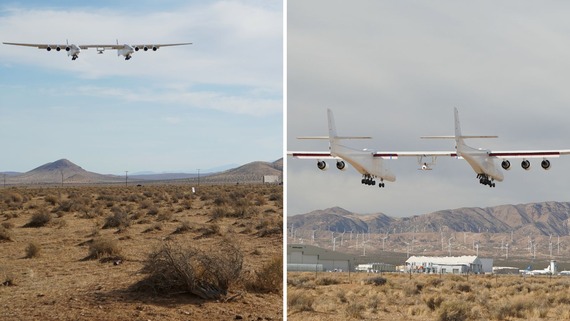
(375, 267)
(443, 265)
(303, 257)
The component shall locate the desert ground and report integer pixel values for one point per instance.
(105, 253)
(392, 296)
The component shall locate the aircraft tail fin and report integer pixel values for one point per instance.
(332, 131)
(459, 137)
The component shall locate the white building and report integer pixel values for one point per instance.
(445, 264)
(375, 267)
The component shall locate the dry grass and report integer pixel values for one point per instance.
(60, 284)
(426, 297)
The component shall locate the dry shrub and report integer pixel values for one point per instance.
(7, 225)
(101, 247)
(326, 281)
(269, 278)
(33, 250)
(183, 228)
(433, 302)
(119, 219)
(454, 311)
(354, 310)
(300, 300)
(177, 268)
(5, 234)
(375, 280)
(52, 200)
(41, 218)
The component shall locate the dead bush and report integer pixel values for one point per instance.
(376, 280)
(5, 234)
(41, 218)
(300, 300)
(33, 250)
(119, 219)
(454, 311)
(101, 247)
(326, 281)
(177, 268)
(269, 278)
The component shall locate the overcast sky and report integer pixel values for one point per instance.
(216, 102)
(394, 70)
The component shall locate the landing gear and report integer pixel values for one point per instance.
(368, 179)
(74, 57)
(127, 57)
(486, 180)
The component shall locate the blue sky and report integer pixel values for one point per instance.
(216, 102)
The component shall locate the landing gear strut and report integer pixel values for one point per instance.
(486, 180)
(127, 57)
(74, 57)
(368, 179)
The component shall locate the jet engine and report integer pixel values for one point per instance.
(137, 48)
(506, 165)
(145, 48)
(341, 165)
(48, 48)
(545, 164)
(68, 48)
(57, 48)
(322, 165)
(525, 164)
(154, 48)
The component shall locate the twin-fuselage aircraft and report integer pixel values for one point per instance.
(73, 50)
(371, 164)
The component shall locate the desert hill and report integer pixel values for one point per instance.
(51, 173)
(547, 218)
(251, 172)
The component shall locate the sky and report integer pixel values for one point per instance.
(394, 70)
(218, 101)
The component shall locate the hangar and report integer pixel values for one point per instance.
(300, 256)
(444, 264)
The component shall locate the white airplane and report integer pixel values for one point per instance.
(370, 163)
(74, 50)
(483, 161)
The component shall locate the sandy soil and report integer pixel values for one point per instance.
(60, 284)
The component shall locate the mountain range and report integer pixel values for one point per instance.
(546, 218)
(65, 171)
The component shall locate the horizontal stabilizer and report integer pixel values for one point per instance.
(335, 137)
(453, 137)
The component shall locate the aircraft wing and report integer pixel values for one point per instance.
(118, 46)
(37, 45)
(530, 153)
(312, 155)
(396, 155)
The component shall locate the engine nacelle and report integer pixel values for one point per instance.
(506, 165)
(137, 48)
(340, 165)
(525, 164)
(322, 165)
(57, 48)
(154, 48)
(545, 164)
(145, 48)
(48, 48)
(68, 48)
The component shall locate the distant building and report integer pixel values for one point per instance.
(375, 267)
(271, 179)
(311, 257)
(445, 264)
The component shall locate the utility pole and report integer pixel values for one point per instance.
(126, 178)
(198, 176)
(61, 171)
